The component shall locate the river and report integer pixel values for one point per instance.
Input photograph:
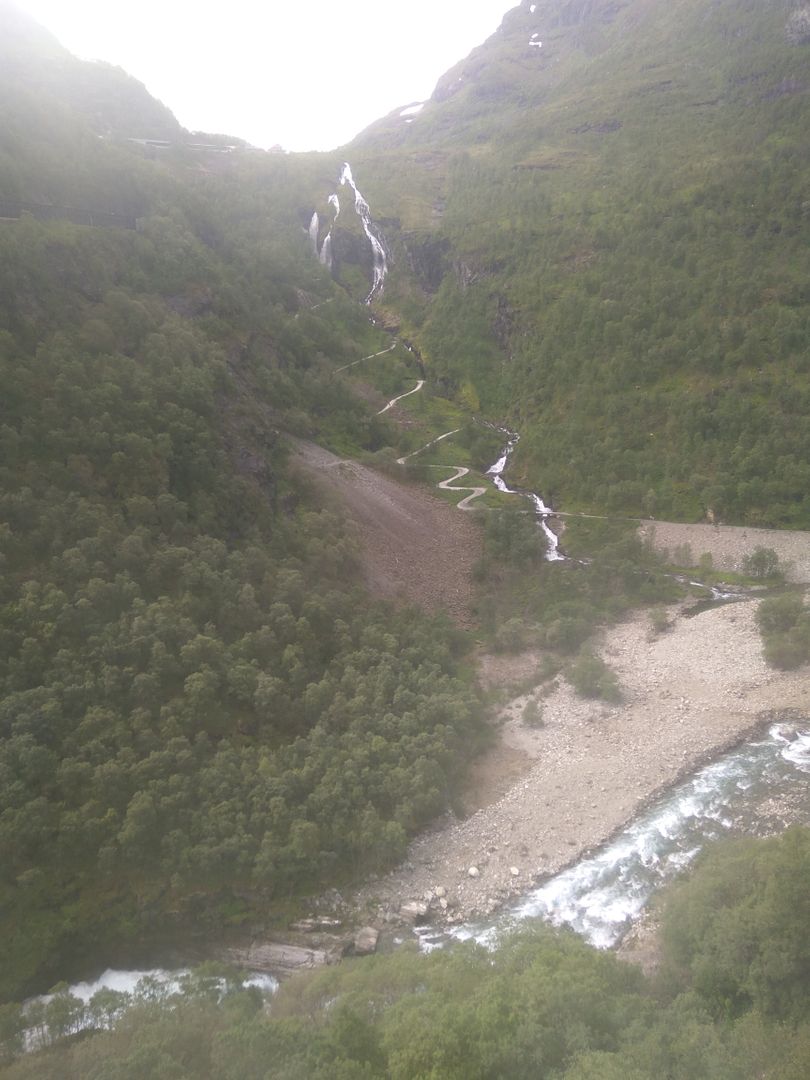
(745, 792)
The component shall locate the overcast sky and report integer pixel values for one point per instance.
(308, 74)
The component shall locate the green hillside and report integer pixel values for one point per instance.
(609, 234)
(202, 713)
(598, 233)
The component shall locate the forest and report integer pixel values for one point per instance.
(203, 713)
(727, 1000)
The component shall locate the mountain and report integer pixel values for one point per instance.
(34, 66)
(599, 223)
(596, 231)
(203, 711)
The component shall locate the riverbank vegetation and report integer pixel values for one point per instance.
(730, 1001)
(527, 602)
(784, 623)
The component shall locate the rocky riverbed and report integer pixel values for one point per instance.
(687, 694)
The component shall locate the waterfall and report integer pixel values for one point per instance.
(378, 251)
(540, 509)
(314, 229)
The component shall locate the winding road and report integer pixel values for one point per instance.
(448, 485)
(393, 401)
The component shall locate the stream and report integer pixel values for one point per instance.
(542, 512)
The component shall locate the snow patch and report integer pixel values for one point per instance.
(412, 110)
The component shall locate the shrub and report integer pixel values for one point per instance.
(784, 623)
(591, 677)
(763, 563)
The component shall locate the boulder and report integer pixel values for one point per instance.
(473, 872)
(365, 941)
(413, 910)
(276, 958)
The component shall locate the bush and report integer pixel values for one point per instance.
(592, 678)
(659, 621)
(763, 563)
(511, 636)
(784, 623)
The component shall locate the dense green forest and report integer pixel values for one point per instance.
(728, 1001)
(609, 234)
(203, 714)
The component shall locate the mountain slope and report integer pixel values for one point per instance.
(202, 713)
(605, 236)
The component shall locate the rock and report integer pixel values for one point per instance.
(365, 941)
(443, 903)
(440, 891)
(413, 910)
(277, 958)
(308, 926)
(473, 872)
(513, 870)
(304, 926)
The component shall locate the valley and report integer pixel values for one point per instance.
(405, 550)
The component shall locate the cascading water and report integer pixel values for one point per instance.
(378, 251)
(134, 986)
(602, 895)
(542, 512)
(314, 230)
(326, 250)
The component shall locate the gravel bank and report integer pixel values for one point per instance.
(688, 694)
(729, 544)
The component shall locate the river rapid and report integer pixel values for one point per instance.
(749, 791)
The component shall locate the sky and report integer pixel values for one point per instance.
(308, 74)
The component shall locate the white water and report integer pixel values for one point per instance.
(363, 212)
(601, 896)
(541, 510)
(314, 229)
(152, 984)
(326, 250)
(127, 982)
